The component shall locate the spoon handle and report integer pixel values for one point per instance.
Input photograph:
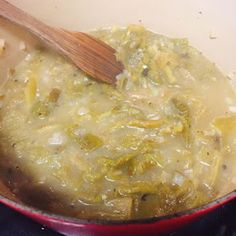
(18, 16)
(91, 55)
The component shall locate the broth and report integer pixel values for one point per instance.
(161, 141)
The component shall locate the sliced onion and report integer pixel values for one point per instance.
(83, 111)
(57, 139)
(178, 179)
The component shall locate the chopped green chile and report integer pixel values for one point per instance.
(54, 95)
(155, 144)
(43, 108)
(183, 114)
(148, 124)
(148, 161)
(40, 109)
(89, 142)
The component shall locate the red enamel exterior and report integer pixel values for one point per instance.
(185, 23)
(153, 226)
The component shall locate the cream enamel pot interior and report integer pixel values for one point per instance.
(209, 25)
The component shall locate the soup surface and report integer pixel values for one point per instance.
(162, 140)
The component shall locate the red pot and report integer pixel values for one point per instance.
(151, 226)
(197, 20)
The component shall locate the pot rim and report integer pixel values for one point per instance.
(23, 208)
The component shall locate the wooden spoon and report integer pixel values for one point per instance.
(91, 55)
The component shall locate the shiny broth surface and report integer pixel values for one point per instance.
(161, 141)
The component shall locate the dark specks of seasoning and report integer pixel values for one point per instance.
(217, 142)
(145, 72)
(199, 14)
(185, 55)
(88, 85)
(224, 166)
(144, 197)
(208, 153)
(13, 145)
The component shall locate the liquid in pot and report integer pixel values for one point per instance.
(161, 141)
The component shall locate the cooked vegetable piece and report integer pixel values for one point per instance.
(30, 90)
(89, 142)
(90, 198)
(147, 124)
(165, 59)
(92, 175)
(215, 169)
(131, 141)
(226, 125)
(43, 108)
(183, 114)
(121, 207)
(40, 109)
(138, 187)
